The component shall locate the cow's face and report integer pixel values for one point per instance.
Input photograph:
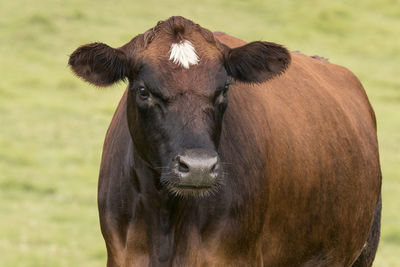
(175, 118)
(179, 77)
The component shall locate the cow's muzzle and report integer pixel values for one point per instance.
(195, 170)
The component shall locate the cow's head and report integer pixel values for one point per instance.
(179, 76)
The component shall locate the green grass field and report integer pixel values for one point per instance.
(52, 125)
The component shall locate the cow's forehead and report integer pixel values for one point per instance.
(186, 51)
(171, 78)
(191, 63)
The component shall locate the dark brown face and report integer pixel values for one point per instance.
(179, 77)
(175, 122)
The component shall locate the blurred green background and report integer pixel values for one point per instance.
(52, 125)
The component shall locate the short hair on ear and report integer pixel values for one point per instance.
(257, 61)
(99, 64)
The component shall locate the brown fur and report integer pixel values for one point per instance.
(303, 174)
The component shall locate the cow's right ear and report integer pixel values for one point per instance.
(99, 64)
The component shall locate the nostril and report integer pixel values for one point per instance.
(214, 168)
(182, 167)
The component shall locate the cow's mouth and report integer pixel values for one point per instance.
(193, 187)
(192, 190)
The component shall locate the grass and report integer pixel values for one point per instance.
(52, 125)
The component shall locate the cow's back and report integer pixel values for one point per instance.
(302, 148)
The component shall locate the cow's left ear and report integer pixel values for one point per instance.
(256, 61)
(99, 64)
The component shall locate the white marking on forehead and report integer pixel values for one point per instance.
(184, 54)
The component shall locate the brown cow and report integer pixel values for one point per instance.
(286, 174)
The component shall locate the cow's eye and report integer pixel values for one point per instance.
(223, 90)
(226, 88)
(221, 94)
(143, 93)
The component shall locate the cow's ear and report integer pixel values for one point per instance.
(99, 64)
(256, 61)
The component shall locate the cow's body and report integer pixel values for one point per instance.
(281, 171)
(303, 180)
